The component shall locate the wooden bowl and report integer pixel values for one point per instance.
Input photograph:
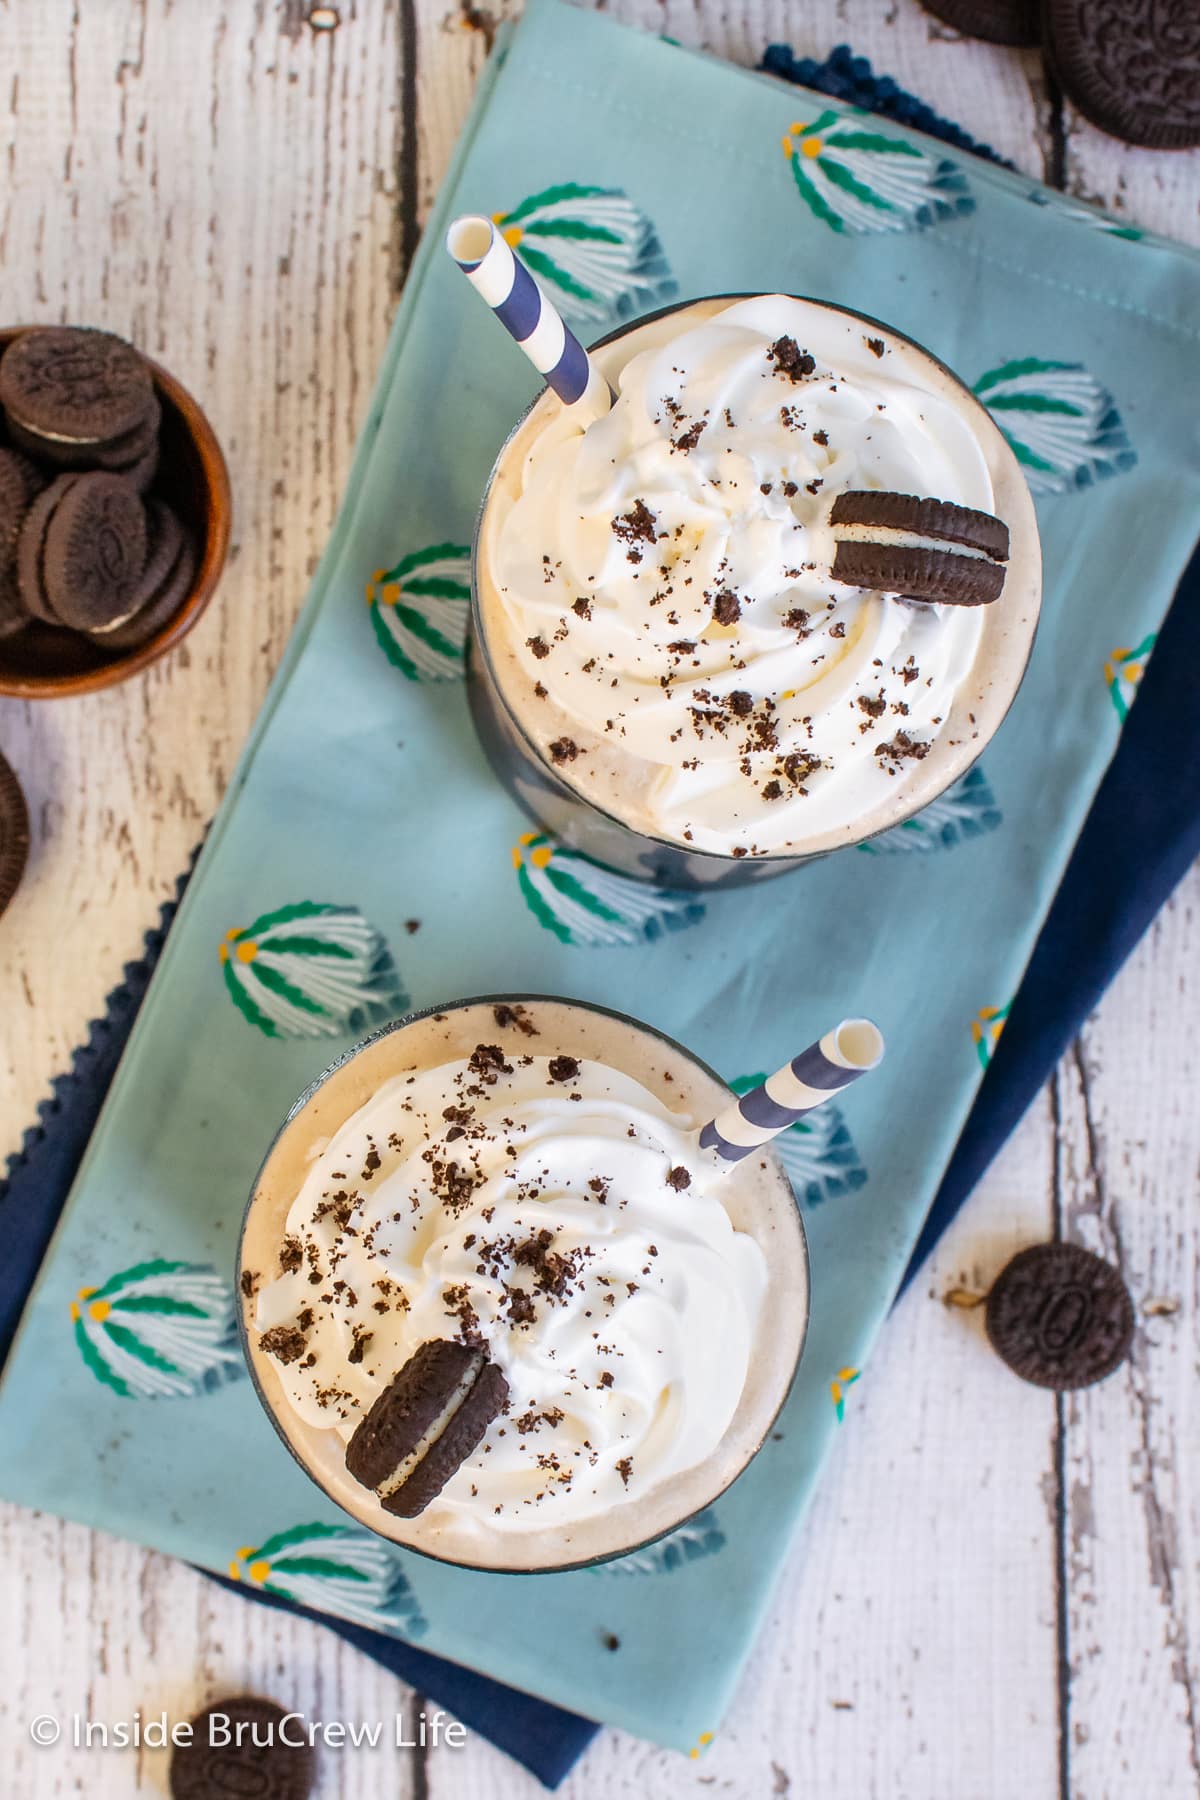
(41, 662)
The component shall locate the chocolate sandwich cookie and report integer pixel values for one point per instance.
(1132, 68)
(94, 551)
(1017, 23)
(920, 549)
(426, 1423)
(20, 483)
(31, 544)
(70, 391)
(1059, 1316)
(165, 584)
(239, 1748)
(14, 834)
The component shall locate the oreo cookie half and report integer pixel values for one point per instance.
(20, 483)
(14, 834)
(239, 1748)
(1059, 1316)
(94, 552)
(1132, 69)
(70, 388)
(426, 1423)
(920, 549)
(165, 584)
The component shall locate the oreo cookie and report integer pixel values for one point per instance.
(1133, 69)
(165, 584)
(426, 1423)
(241, 1748)
(31, 544)
(1060, 1317)
(93, 551)
(1017, 23)
(919, 549)
(20, 483)
(67, 391)
(14, 834)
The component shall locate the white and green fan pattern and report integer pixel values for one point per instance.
(338, 1569)
(311, 970)
(592, 248)
(159, 1331)
(582, 902)
(1061, 422)
(855, 178)
(700, 1537)
(419, 611)
(966, 810)
(818, 1153)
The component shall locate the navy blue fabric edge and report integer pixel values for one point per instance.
(1098, 895)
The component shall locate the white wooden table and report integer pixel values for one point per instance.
(996, 1593)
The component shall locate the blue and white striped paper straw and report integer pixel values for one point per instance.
(824, 1069)
(524, 310)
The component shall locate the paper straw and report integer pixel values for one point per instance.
(532, 319)
(824, 1069)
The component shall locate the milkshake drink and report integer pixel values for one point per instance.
(499, 1303)
(700, 652)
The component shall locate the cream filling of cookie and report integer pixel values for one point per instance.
(905, 540)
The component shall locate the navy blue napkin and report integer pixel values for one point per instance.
(1102, 908)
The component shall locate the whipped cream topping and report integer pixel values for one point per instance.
(555, 1211)
(664, 579)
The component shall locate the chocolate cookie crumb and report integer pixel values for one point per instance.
(821, 437)
(284, 1342)
(625, 1469)
(538, 645)
(361, 1340)
(564, 749)
(679, 1178)
(876, 346)
(249, 1283)
(563, 1068)
(635, 525)
(291, 1255)
(790, 360)
(514, 1015)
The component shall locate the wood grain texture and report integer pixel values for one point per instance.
(993, 1595)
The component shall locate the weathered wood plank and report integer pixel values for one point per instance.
(1127, 1168)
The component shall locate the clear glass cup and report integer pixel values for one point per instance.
(557, 798)
(757, 1196)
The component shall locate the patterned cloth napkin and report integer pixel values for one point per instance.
(363, 842)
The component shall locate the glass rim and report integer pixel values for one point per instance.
(477, 638)
(389, 1029)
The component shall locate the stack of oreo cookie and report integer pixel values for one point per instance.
(85, 545)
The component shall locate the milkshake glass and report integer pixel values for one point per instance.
(663, 670)
(520, 1176)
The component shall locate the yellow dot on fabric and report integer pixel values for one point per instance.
(370, 593)
(232, 933)
(235, 1573)
(223, 953)
(812, 146)
(528, 837)
(75, 1309)
(706, 1737)
(86, 1293)
(258, 1571)
(516, 856)
(389, 593)
(786, 141)
(99, 1310)
(541, 857)
(513, 236)
(247, 952)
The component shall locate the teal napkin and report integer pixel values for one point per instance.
(364, 858)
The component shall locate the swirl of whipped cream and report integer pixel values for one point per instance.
(665, 577)
(556, 1211)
